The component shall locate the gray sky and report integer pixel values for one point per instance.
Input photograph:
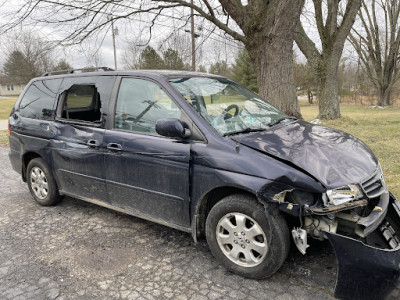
(215, 47)
(211, 45)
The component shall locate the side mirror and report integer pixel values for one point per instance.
(172, 128)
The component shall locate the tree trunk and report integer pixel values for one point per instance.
(273, 62)
(326, 61)
(384, 96)
(269, 30)
(310, 96)
(328, 90)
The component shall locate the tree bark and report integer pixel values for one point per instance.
(384, 96)
(273, 61)
(269, 29)
(328, 93)
(310, 96)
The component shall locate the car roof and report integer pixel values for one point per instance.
(147, 73)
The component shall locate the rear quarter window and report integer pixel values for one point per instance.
(39, 99)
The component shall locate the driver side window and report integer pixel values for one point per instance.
(140, 104)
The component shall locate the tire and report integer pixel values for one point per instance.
(245, 238)
(41, 183)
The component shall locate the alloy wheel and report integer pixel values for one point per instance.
(241, 239)
(39, 183)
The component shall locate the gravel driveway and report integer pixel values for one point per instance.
(77, 250)
(3, 124)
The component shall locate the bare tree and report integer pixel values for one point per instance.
(377, 44)
(333, 31)
(27, 56)
(266, 29)
(131, 55)
(92, 54)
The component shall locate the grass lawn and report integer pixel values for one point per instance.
(5, 107)
(378, 128)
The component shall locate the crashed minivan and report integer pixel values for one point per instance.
(201, 153)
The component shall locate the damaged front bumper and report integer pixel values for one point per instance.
(369, 268)
(364, 233)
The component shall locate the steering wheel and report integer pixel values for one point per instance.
(231, 107)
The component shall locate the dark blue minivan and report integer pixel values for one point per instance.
(201, 153)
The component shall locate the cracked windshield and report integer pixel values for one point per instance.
(228, 107)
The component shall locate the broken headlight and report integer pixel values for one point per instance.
(342, 195)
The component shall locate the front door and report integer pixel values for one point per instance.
(147, 174)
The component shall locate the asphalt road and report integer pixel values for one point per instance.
(77, 250)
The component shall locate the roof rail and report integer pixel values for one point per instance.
(83, 70)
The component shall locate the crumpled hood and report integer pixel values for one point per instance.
(333, 157)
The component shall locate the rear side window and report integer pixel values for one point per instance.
(39, 100)
(85, 99)
(80, 96)
(82, 102)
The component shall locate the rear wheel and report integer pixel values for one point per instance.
(245, 238)
(41, 183)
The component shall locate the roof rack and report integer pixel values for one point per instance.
(83, 70)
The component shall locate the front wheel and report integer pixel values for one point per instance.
(41, 183)
(245, 238)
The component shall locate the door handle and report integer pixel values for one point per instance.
(93, 143)
(114, 147)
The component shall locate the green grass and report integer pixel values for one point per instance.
(378, 128)
(5, 107)
(75, 101)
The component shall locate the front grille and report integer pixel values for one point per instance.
(374, 186)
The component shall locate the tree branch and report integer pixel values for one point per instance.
(210, 10)
(93, 9)
(331, 21)
(320, 21)
(340, 36)
(306, 45)
(210, 18)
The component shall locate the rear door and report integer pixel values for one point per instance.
(78, 149)
(147, 174)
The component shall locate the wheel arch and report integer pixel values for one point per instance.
(207, 202)
(26, 158)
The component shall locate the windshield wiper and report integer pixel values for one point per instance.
(280, 120)
(246, 130)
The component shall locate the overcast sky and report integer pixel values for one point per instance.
(211, 45)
